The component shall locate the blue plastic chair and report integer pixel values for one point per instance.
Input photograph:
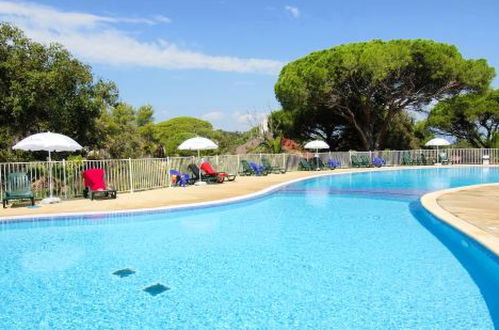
(259, 169)
(333, 163)
(378, 161)
(182, 179)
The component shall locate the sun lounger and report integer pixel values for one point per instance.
(179, 179)
(355, 161)
(258, 169)
(317, 164)
(333, 163)
(304, 165)
(358, 161)
(378, 162)
(204, 177)
(18, 188)
(247, 170)
(443, 158)
(424, 160)
(252, 168)
(95, 184)
(407, 159)
(208, 170)
(364, 160)
(272, 169)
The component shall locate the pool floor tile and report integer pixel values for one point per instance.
(156, 289)
(125, 272)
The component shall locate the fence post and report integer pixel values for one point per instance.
(168, 169)
(1, 183)
(350, 158)
(64, 179)
(130, 174)
(238, 163)
(284, 160)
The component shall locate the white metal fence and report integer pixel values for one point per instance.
(129, 175)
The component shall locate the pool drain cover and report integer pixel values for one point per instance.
(156, 289)
(125, 272)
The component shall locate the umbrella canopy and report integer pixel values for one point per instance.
(198, 143)
(48, 142)
(436, 142)
(316, 144)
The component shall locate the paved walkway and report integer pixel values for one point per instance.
(476, 205)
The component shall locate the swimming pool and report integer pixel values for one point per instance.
(344, 251)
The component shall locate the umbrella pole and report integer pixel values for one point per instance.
(50, 176)
(199, 159)
(317, 159)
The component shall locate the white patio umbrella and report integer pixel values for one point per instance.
(197, 144)
(437, 142)
(316, 144)
(48, 142)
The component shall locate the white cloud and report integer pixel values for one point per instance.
(294, 11)
(44, 16)
(213, 116)
(97, 39)
(162, 19)
(250, 119)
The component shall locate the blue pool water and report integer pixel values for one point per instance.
(352, 251)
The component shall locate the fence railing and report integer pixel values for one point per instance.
(129, 175)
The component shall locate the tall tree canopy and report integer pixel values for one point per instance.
(363, 87)
(171, 133)
(45, 88)
(126, 132)
(470, 117)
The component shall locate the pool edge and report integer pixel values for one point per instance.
(429, 202)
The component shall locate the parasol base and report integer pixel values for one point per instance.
(200, 183)
(51, 200)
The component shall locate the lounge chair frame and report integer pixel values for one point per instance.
(272, 169)
(18, 188)
(108, 192)
(304, 165)
(195, 170)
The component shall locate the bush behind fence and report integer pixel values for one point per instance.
(129, 175)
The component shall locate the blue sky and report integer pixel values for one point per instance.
(219, 59)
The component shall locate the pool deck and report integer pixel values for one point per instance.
(473, 210)
(243, 185)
